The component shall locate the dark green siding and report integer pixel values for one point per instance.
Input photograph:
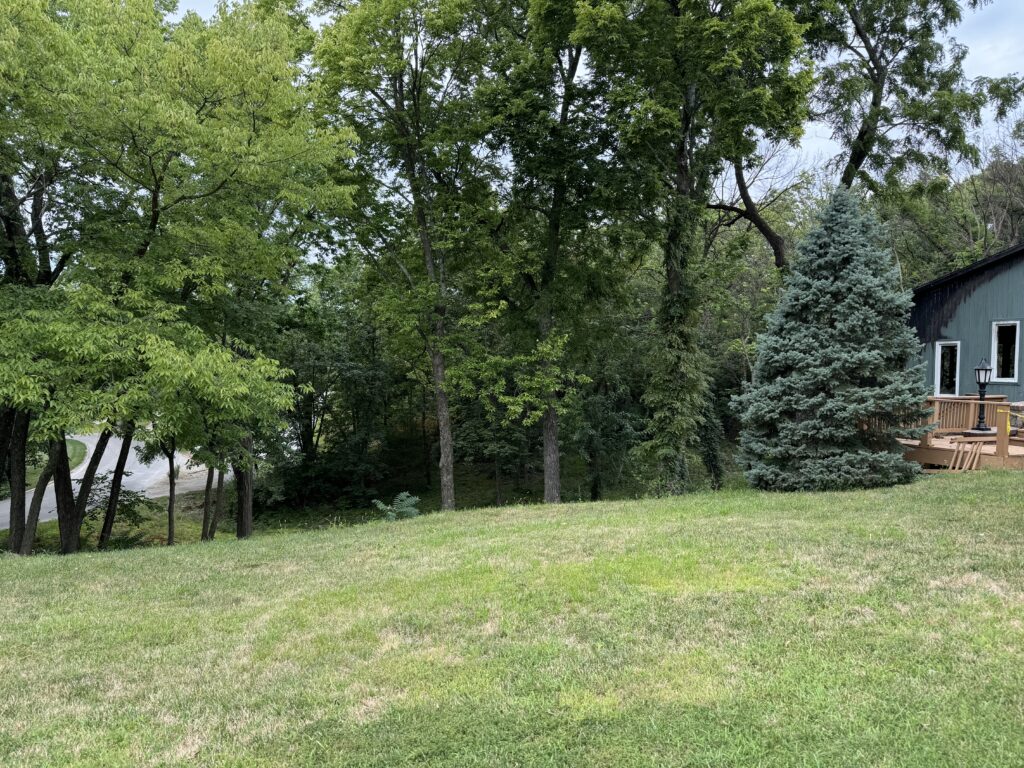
(964, 310)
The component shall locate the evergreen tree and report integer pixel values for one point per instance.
(833, 383)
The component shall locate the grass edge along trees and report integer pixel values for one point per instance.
(728, 629)
(485, 236)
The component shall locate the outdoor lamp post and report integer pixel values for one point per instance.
(982, 375)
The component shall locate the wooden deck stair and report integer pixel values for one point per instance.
(966, 456)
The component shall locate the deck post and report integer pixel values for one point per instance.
(1002, 431)
(933, 421)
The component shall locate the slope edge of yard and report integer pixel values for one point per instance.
(879, 627)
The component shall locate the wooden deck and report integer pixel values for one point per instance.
(951, 418)
(939, 452)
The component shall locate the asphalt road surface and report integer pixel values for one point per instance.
(149, 479)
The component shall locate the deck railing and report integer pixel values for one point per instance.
(956, 415)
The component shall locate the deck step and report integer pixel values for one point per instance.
(966, 456)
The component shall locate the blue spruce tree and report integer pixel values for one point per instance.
(834, 382)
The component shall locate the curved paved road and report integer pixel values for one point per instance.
(149, 479)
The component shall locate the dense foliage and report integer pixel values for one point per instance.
(483, 252)
(835, 382)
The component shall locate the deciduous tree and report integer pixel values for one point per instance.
(406, 73)
(694, 87)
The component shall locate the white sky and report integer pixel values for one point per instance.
(993, 36)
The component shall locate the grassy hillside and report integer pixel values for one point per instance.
(76, 455)
(879, 628)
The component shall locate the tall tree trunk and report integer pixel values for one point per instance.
(867, 134)
(433, 261)
(678, 386)
(243, 492)
(67, 519)
(497, 480)
(85, 488)
(752, 213)
(428, 474)
(208, 504)
(594, 466)
(17, 459)
(548, 275)
(28, 540)
(172, 478)
(552, 468)
(218, 508)
(444, 431)
(710, 437)
(6, 425)
(115, 487)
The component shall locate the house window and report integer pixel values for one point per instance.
(1005, 343)
(947, 368)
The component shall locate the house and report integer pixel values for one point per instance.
(970, 314)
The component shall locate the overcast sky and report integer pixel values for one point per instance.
(993, 35)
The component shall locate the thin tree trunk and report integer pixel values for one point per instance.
(218, 508)
(867, 136)
(594, 467)
(680, 377)
(115, 487)
(6, 426)
(17, 465)
(444, 431)
(15, 235)
(85, 488)
(427, 472)
(67, 519)
(549, 275)
(28, 540)
(497, 480)
(171, 478)
(306, 413)
(243, 492)
(752, 213)
(208, 504)
(433, 262)
(552, 468)
(710, 436)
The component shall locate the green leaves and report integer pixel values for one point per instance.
(164, 169)
(892, 85)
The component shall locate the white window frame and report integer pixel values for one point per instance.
(1016, 348)
(938, 368)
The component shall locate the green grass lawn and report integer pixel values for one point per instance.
(76, 455)
(76, 452)
(879, 628)
(150, 531)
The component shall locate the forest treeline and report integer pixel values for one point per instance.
(354, 245)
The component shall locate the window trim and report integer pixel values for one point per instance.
(996, 324)
(938, 368)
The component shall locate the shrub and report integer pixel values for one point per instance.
(404, 506)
